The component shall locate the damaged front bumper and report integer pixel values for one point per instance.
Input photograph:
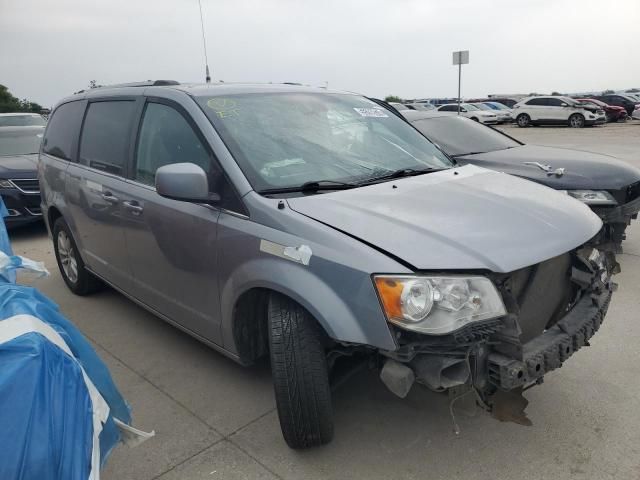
(509, 354)
(615, 220)
(549, 350)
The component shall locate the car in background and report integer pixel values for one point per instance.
(470, 111)
(22, 120)
(556, 110)
(504, 116)
(610, 187)
(421, 106)
(19, 147)
(400, 106)
(636, 113)
(613, 113)
(619, 100)
(509, 102)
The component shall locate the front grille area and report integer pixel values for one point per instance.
(539, 295)
(26, 185)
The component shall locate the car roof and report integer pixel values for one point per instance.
(199, 89)
(22, 129)
(20, 114)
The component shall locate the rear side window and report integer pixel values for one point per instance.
(104, 143)
(554, 102)
(450, 108)
(63, 128)
(537, 102)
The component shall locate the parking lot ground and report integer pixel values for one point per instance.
(216, 420)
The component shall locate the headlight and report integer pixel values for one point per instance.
(6, 184)
(593, 197)
(438, 304)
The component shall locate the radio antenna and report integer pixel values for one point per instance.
(204, 44)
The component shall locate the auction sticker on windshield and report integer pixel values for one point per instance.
(370, 112)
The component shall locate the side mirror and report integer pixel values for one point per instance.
(184, 181)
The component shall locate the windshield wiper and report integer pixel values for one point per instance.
(402, 172)
(312, 186)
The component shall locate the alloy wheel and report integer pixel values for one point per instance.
(67, 256)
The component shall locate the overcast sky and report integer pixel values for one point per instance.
(51, 48)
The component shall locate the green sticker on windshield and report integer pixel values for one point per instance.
(224, 107)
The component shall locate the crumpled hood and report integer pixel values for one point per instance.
(458, 219)
(18, 163)
(583, 170)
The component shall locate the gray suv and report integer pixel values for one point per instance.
(310, 225)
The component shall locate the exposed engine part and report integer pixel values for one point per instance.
(397, 377)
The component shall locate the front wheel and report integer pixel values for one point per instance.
(79, 280)
(576, 121)
(523, 120)
(300, 374)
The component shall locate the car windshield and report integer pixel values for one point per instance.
(482, 106)
(469, 107)
(284, 140)
(499, 106)
(459, 135)
(22, 121)
(20, 141)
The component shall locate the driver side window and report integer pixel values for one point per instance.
(165, 138)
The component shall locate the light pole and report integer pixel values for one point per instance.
(459, 58)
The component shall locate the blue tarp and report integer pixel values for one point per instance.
(46, 409)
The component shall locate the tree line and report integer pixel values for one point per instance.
(9, 103)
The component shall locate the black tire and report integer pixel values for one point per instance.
(83, 282)
(474, 119)
(523, 120)
(300, 374)
(576, 120)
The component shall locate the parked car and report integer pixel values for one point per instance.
(309, 225)
(19, 148)
(509, 102)
(422, 106)
(400, 106)
(636, 113)
(550, 110)
(613, 113)
(619, 100)
(21, 120)
(504, 116)
(610, 187)
(470, 111)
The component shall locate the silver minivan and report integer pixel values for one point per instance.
(310, 225)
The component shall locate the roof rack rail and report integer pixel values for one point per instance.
(148, 83)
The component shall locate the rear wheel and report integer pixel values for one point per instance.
(75, 275)
(523, 120)
(576, 121)
(300, 374)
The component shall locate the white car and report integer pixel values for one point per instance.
(556, 110)
(636, 114)
(471, 111)
(504, 116)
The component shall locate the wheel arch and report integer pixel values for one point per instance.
(244, 300)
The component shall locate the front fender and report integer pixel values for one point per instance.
(359, 321)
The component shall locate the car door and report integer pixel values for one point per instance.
(536, 108)
(95, 188)
(172, 244)
(555, 110)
